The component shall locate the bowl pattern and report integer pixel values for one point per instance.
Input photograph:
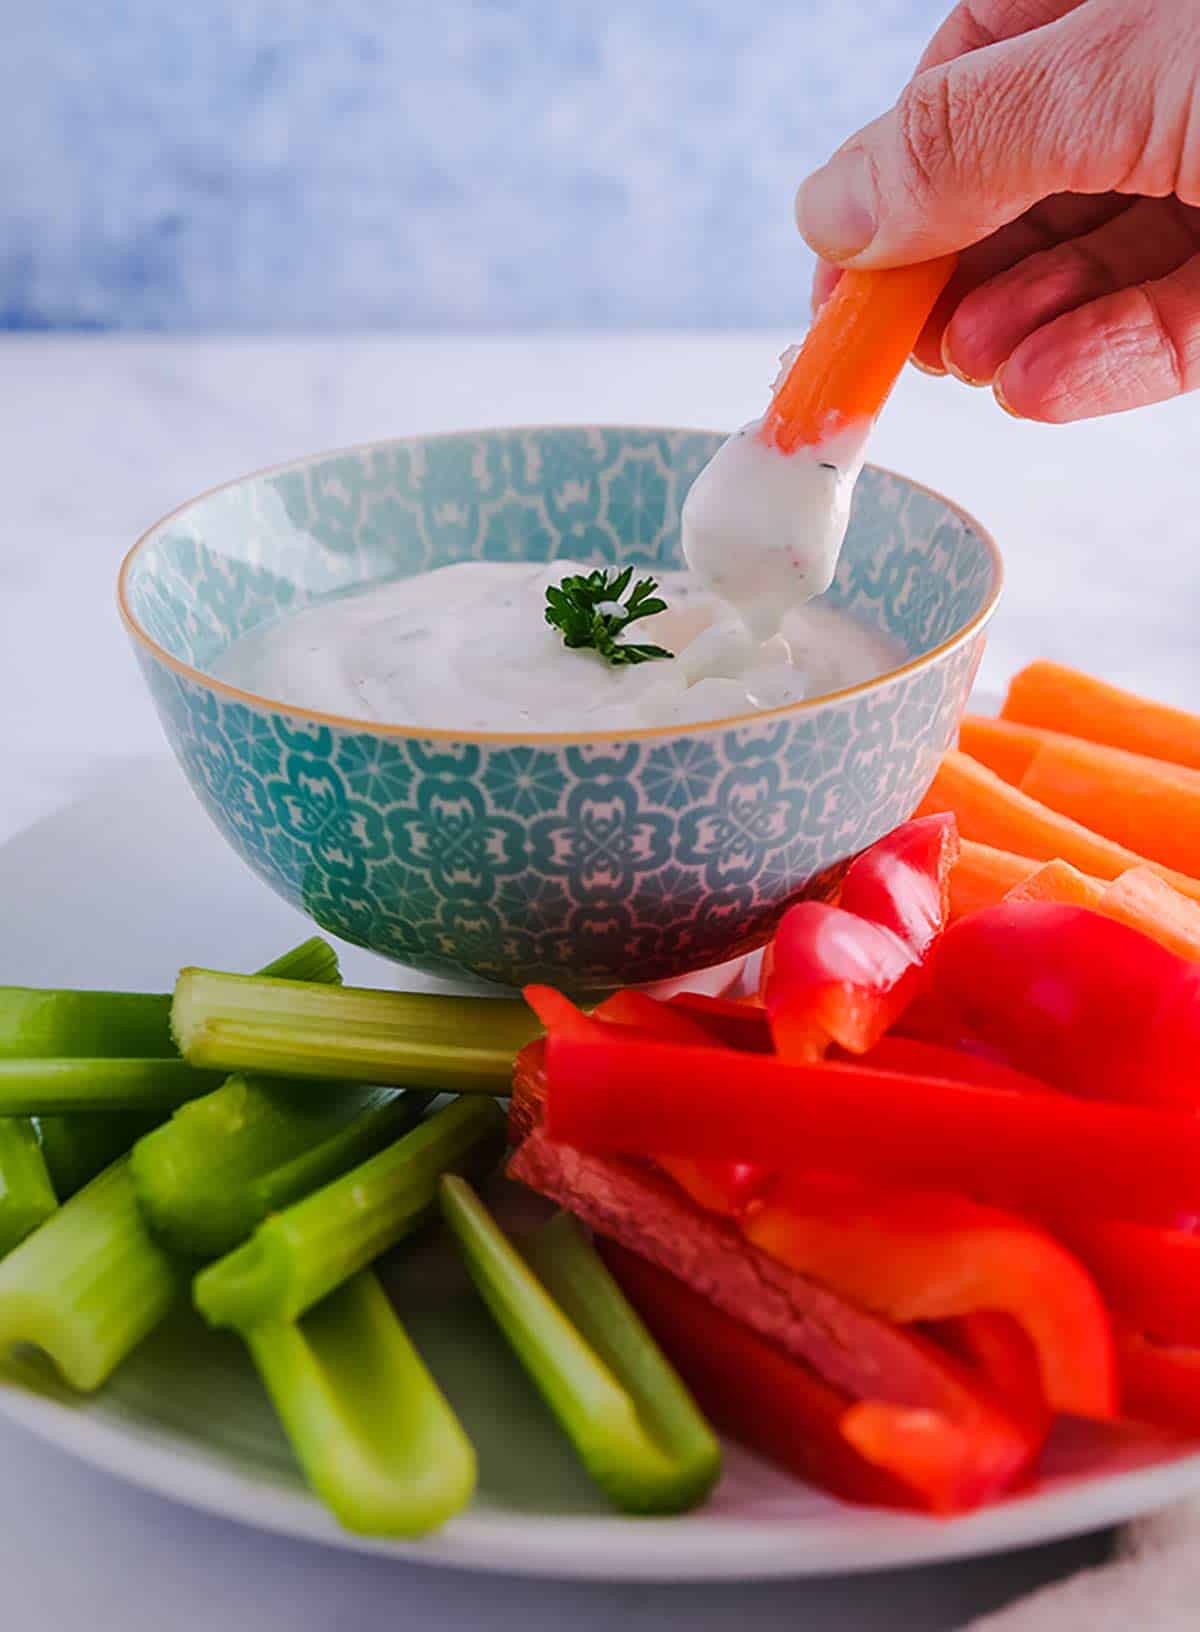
(587, 861)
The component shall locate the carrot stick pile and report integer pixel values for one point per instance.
(1079, 793)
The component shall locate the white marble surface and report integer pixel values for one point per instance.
(101, 436)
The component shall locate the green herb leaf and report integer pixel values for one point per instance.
(590, 611)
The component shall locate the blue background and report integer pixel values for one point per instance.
(455, 164)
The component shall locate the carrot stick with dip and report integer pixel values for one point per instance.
(852, 355)
(764, 521)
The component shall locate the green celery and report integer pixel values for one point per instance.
(42, 1024)
(37, 1024)
(34, 1087)
(207, 1177)
(314, 960)
(634, 1424)
(27, 1196)
(372, 1431)
(89, 1284)
(79, 1146)
(45, 1024)
(406, 1039)
(297, 1257)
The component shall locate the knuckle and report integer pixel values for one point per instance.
(934, 125)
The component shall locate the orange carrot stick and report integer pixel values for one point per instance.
(992, 812)
(982, 876)
(1003, 746)
(858, 343)
(1146, 804)
(1142, 900)
(1059, 881)
(1061, 699)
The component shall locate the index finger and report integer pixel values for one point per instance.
(976, 23)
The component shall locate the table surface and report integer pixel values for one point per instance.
(100, 436)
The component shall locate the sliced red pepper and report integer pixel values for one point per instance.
(944, 1423)
(1082, 1001)
(736, 1024)
(903, 882)
(914, 1255)
(1149, 1276)
(722, 1187)
(1034, 1151)
(844, 974)
(996, 1347)
(914, 1057)
(527, 1106)
(1160, 1383)
(780, 1408)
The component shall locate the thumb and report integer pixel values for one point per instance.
(973, 143)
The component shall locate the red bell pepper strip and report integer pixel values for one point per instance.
(1149, 1276)
(736, 1024)
(1088, 1004)
(945, 1423)
(996, 1347)
(780, 1408)
(722, 1187)
(914, 1057)
(1034, 1151)
(664, 1020)
(1160, 1383)
(914, 1255)
(844, 974)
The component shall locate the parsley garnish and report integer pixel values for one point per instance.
(590, 611)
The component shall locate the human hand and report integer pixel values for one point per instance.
(1056, 143)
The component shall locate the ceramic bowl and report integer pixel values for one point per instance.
(589, 859)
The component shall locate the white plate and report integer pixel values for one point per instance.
(129, 883)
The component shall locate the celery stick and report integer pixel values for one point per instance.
(370, 1427)
(296, 1257)
(407, 1039)
(313, 960)
(634, 1424)
(46, 1024)
(222, 1163)
(27, 1196)
(41, 1024)
(79, 1146)
(33, 1087)
(89, 1284)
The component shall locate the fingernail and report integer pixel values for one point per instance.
(835, 208)
(998, 393)
(927, 368)
(952, 367)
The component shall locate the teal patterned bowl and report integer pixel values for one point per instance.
(587, 860)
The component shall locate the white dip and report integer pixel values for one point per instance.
(763, 529)
(467, 647)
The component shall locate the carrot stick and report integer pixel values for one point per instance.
(850, 358)
(1002, 745)
(1142, 900)
(993, 813)
(1061, 699)
(1146, 804)
(982, 876)
(1059, 881)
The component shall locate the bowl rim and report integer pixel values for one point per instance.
(346, 722)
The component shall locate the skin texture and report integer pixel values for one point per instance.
(1056, 144)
